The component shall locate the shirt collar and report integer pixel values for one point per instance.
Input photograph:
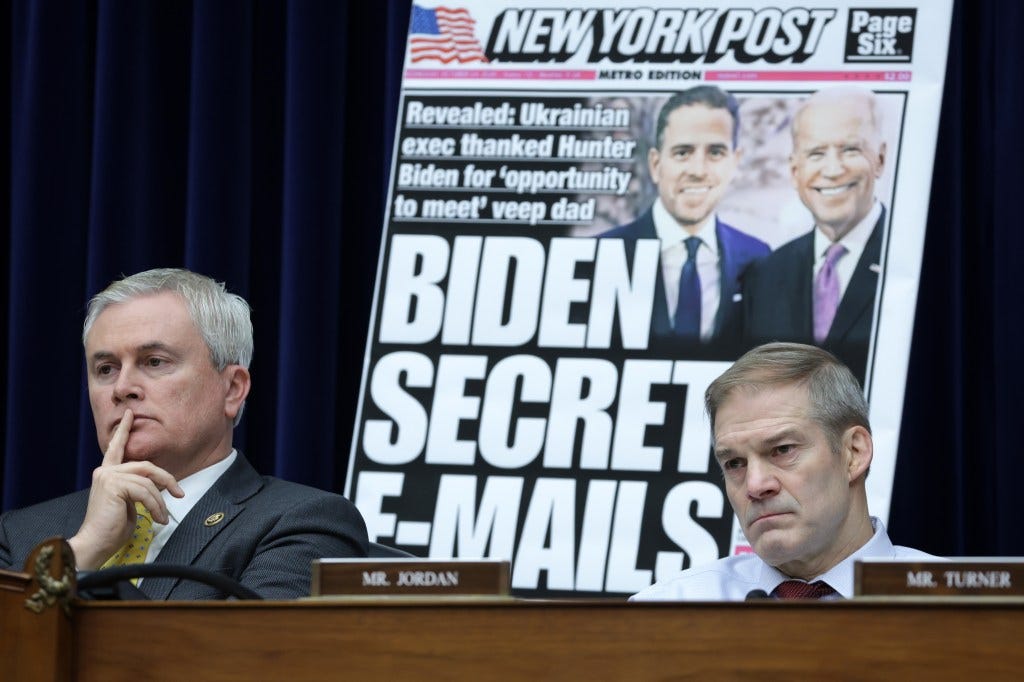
(854, 240)
(195, 486)
(840, 576)
(671, 234)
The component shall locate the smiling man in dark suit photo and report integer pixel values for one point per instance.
(820, 288)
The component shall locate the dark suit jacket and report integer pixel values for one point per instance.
(778, 300)
(271, 531)
(736, 250)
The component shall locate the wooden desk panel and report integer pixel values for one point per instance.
(543, 640)
(35, 626)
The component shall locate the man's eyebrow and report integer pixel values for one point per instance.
(155, 345)
(788, 433)
(101, 355)
(148, 347)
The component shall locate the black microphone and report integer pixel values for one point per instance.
(754, 595)
(111, 583)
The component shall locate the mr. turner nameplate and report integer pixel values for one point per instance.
(973, 578)
(367, 577)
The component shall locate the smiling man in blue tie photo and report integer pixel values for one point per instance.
(693, 161)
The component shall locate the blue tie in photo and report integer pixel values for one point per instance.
(687, 318)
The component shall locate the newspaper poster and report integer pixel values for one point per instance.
(592, 213)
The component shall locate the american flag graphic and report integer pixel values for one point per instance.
(444, 34)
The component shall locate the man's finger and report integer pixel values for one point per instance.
(145, 491)
(114, 477)
(115, 450)
(161, 478)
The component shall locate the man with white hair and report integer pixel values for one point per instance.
(167, 355)
(820, 288)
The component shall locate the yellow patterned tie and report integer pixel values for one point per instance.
(134, 551)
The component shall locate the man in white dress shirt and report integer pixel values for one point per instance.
(792, 437)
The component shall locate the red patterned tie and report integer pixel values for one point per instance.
(798, 589)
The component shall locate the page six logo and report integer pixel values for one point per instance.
(880, 35)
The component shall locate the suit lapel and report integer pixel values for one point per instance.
(794, 294)
(76, 514)
(860, 292)
(660, 324)
(227, 496)
(728, 275)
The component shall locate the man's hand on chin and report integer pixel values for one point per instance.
(116, 487)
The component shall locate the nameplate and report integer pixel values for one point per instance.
(968, 578)
(378, 577)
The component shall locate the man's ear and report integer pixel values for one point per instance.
(654, 164)
(237, 381)
(858, 449)
(880, 168)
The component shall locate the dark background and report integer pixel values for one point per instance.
(251, 141)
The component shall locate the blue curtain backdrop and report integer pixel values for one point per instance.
(252, 141)
(246, 140)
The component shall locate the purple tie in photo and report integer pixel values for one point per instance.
(826, 293)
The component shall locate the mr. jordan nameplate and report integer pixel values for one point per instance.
(410, 577)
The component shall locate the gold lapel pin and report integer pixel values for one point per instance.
(214, 519)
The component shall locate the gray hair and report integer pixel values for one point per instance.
(222, 318)
(835, 397)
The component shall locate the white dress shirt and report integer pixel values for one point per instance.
(734, 577)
